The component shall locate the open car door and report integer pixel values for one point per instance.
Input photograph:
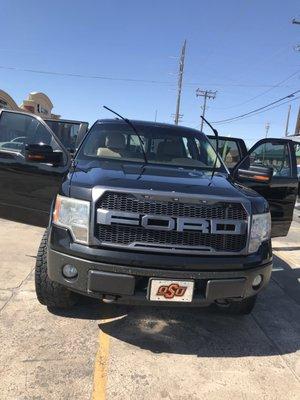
(28, 187)
(270, 169)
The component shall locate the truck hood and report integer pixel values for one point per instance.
(163, 178)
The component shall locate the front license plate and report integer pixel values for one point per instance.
(171, 290)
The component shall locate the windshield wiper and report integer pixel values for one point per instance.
(216, 149)
(134, 129)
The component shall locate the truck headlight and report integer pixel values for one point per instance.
(260, 230)
(73, 214)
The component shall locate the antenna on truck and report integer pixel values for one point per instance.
(217, 146)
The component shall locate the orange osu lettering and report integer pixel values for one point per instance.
(170, 291)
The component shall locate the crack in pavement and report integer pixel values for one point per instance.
(15, 290)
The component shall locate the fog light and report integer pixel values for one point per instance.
(69, 271)
(257, 281)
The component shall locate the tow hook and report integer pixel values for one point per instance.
(222, 302)
(108, 298)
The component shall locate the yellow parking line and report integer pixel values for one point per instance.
(101, 367)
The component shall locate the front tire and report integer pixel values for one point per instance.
(49, 293)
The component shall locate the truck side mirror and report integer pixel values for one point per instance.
(43, 153)
(255, 173)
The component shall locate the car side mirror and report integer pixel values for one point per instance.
(255, 174)
(43, 153)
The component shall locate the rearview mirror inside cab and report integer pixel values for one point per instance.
(43, 153)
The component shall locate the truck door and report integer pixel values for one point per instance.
(27, 188)
(277, 156)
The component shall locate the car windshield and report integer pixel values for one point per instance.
(164, 145)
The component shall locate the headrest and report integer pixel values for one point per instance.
(116, 141)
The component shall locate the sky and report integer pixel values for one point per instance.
(243, 49)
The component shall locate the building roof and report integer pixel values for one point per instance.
(36, 95)
(9, 100)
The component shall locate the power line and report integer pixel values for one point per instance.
(244, 85)
(257, 109)
(259, 112)
(132, 80)
(256, 113)
(102, 77)
(263, 93)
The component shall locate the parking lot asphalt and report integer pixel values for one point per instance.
(101, 351)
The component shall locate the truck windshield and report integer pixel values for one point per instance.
(163, 145)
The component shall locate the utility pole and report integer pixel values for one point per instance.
(288, 121)
(180, 77)
(297, 48)
(206, 94)
(297, 129)
(267, 127)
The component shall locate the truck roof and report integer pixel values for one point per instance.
(149, 123)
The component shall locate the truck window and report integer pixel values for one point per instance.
(272, 155)
(228, 150)
(134, 145)
(67, 132)
(17, 130)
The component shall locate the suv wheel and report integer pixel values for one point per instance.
(49, 293)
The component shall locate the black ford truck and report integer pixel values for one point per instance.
(147, 212)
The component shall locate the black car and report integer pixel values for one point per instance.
(147, 212)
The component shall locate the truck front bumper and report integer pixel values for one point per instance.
(129, 284)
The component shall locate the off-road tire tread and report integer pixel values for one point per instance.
(49, 293)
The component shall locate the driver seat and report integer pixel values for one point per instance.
(114, 146)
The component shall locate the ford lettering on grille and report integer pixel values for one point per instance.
(166, 223)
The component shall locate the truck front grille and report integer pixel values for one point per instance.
(187, 241)
(126, 235)
(129, 203)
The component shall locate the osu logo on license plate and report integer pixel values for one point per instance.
(171, 291)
